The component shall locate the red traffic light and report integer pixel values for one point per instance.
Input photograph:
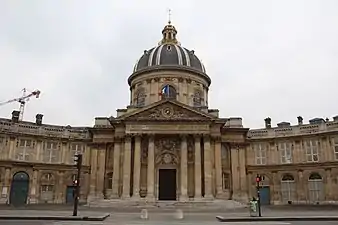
(258, 179)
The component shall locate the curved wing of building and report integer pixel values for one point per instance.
(168, 145)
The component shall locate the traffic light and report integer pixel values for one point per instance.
(78, 160)
(258, 178)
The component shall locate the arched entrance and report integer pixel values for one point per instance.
(19, 189)
(288, 188)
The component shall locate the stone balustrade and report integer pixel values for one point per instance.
(29, 128)
(298, 130)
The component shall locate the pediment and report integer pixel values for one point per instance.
(167, 110)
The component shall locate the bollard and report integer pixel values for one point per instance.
(144, 214)
(179, 214)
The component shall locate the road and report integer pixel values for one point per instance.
(173, 222)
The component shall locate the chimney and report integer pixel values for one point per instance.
(38, 119)
(15, 116)
(300, 120)
(267, 122)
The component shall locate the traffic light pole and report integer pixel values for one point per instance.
(259, 200)
(77, 188)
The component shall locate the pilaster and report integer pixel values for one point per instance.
(6, 187)
(34, 188)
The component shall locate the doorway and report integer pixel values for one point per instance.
(70, 191)
(167, 185)
(19, 189)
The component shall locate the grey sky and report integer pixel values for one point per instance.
(265, 58)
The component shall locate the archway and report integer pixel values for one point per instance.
(288, 188)
(19, 189)
(315, 188)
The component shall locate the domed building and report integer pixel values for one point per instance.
(168, 145)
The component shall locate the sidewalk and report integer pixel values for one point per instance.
(230, 216)
(51, 215)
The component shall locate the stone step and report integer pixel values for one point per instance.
(120, 204)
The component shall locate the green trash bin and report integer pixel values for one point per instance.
(253, 208)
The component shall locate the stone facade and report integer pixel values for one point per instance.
(169, 146)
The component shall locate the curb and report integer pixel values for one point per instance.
(298, 218)
(57, 218)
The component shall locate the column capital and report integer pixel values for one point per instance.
(183, 136)
(127, 137)
(217, 139)
(197, 136)
(118, 139)
(206, 137)
(138, 138)
(151, 137)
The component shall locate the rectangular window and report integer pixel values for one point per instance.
(311, 149)
(225, 181)
(24, 147)
(335, 146)
(51, 152)
(285, 149)
(260, 154)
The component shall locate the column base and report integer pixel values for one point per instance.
(208, 197)
(136, 197)
(183, 198)
(150, 199)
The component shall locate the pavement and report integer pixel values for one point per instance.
(172, 216)
(159, 223)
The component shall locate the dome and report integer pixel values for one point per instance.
(169, 53)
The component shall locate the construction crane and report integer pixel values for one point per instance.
(22, 100)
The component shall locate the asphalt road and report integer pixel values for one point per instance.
(173, 222)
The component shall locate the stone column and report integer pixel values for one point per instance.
(116, 168)
(93, 171)
(198, 177)
(184, 169)
(151, 169)
(101, 169)
(207, 168)
(137, 168)
(218, 166)
(126, 167)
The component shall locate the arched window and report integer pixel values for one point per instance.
(288, 188)
(140, 99)
(315, 188)
(197, 99)
(168, 92)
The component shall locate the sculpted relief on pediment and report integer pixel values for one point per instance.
(167, 112)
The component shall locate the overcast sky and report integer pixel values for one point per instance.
(265, 58)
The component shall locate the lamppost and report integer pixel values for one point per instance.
(78, 161)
